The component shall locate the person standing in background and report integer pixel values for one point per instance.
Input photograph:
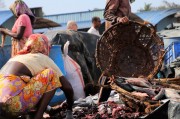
(79, 51)
(96, 23)
(120, 11)
(72, 25)
(22, 28)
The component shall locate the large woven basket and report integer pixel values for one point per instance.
(130, 50)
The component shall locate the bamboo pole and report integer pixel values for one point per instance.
(165, 80)
(169, 82)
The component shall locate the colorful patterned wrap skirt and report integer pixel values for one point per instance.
(21, 94)
(17, 45)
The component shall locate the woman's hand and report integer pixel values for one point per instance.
(2, 30)
(17, 35)
(146, 22)
(2, 45)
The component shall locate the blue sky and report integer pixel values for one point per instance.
(66, 6)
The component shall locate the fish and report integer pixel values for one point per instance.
(121, 79)
(141, 82)
(160, 95)
(150, 92)
(139, 94)
(124, 85)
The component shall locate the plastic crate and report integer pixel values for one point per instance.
(172, 52)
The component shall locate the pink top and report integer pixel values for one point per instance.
(23, 20)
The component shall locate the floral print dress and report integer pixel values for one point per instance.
(20, 94)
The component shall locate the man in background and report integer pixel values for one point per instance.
(96, 23)
(72, 25)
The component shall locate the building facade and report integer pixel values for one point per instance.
(161, 18)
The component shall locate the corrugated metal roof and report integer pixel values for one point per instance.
(152, 16)
(4, 16)
(81, 25)
(156, 16)
(83, 19)
(78, 16)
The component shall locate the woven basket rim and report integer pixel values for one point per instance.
(154, 35)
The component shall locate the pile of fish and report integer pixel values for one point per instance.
(149, 93)
(106, 110)
(142, 95)
(88, 108)
(140, 87)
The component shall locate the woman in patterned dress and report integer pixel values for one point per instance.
(30, 79)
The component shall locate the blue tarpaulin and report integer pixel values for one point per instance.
(4, 16)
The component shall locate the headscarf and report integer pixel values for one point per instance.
(19, 7)
(36, 43)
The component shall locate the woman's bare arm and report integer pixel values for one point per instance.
(18, 35)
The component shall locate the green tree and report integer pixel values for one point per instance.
(167, 5)
(147, 7)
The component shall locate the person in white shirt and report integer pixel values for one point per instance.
(96, 23)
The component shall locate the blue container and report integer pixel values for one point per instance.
(56, 56)
(169, 41)
(172, 52)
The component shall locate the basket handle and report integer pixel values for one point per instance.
(148, 24)
(102, 79)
